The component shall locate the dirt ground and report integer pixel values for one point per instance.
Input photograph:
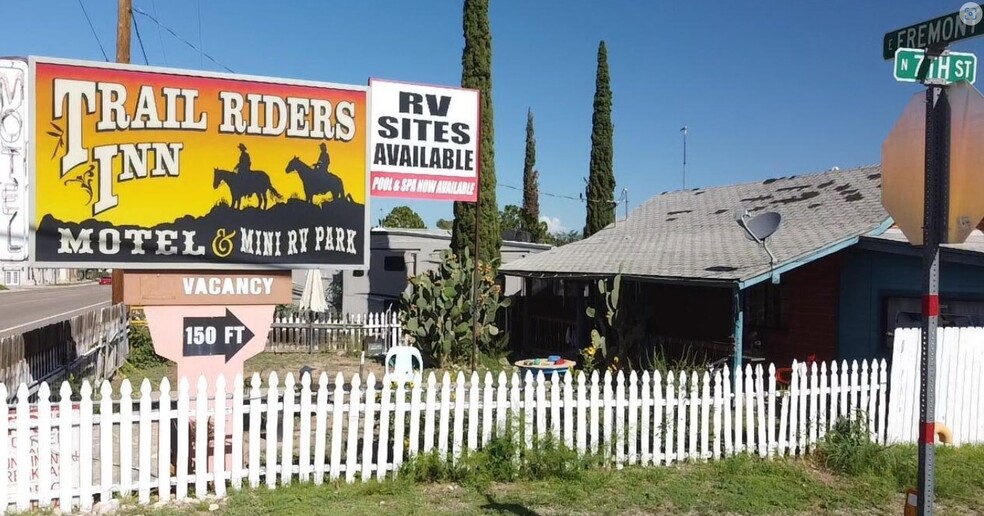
(331, 362)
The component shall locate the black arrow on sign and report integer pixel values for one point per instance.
(214, 336)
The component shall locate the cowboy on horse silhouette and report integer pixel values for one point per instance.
(244, 162)
(323, 160)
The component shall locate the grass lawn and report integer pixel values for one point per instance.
(738, 485)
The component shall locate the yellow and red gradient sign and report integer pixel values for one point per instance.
(148, 168)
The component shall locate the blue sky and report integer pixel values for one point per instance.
(767, 88)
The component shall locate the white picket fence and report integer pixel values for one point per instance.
(72, 453)
(959, 386)
(314, 333)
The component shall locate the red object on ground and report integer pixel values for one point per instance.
(106, 280)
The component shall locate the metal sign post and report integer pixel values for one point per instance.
(934, 218)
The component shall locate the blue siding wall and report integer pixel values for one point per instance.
(869, 276)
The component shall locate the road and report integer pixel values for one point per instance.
(23, 310)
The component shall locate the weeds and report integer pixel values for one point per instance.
(142, 354)
(848, 449)
(500, 461)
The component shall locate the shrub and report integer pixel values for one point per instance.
(436, 311)
(142, 354)
(848, 449)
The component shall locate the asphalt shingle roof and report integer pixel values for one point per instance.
(692, 234)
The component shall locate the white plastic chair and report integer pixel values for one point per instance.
(403, 368)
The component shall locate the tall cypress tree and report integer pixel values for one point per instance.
(476, 72)
(601, 177)
(531, 188)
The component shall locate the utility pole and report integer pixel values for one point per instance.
(123, 21)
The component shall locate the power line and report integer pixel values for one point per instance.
(179, 38)
(136, 28)
(93, 29)
(568, 197)
(160, 37)
(200, 45)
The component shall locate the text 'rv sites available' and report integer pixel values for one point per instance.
(424, 141)
(143, 167)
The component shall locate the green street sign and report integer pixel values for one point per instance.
(939, 31)
(950, 67)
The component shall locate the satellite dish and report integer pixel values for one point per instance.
(761, 227)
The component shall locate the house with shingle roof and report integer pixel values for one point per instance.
(834, 282)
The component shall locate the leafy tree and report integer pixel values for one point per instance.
(511, 218)
(403, 217)
(601, 177)
(445, 224)
(531, 188)
(476, 72)
(560, 238)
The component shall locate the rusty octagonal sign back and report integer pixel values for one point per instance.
(904, 162)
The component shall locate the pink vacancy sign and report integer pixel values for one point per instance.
(209, 340)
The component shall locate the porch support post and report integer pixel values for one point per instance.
(738, 298)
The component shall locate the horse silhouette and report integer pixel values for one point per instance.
(244, 186)
(316, 183)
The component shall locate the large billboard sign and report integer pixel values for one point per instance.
(139, 167)
(14, 139)
(424, 141)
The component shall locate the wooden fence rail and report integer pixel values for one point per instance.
(90, 345)
(315, 332)
(107, 444)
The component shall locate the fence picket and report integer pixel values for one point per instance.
(739, 410)
(872, 395)
(835, 393)
(729, 448)
(593, 429)
(429, 415)
(321, 429)
(369, 427)
(528, 409)
(632, 426)
(352, 447)
(794, 400)
(693, 406)
(382, 452)
(763, 443)
(459, 417)
(555, 407)
(236, 472)
(863, 382)
(608, 403)
(541, 406)
(106, 441)
(304, 443)
(145, 446)
(415, 409)
(670, 406)
(822, 419)
(488, 405)
(85, 448)
(645, 452)
(814, 420)
(445, 424)
(44, 445)
(201, 437)
(845, 390)
(66, 445)
(272, 416)
(785, 421)
(337, 414)
(254, 429)
(220, 437)
(5, 450)
(619, 403)
(771, 417)
(581, 430)
(658, 428)
(126, 438)
(882, 395)
(515, 420)
(399, 424)
(287, 430)
(705, 416)
(23, 448)
(474, 423)
(502, 404)
(163, 441)
(718, 409)
(681, 417)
